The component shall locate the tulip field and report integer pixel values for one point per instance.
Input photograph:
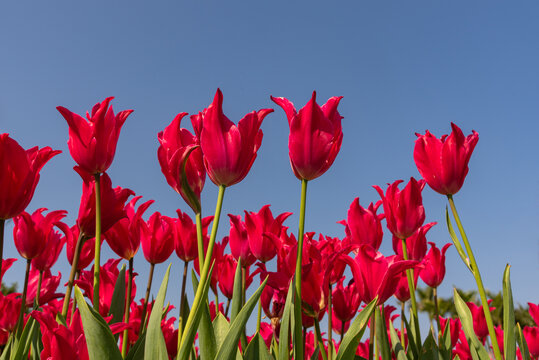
(269, 289)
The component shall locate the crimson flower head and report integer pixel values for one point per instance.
(112, 203)
(157, 238)
(49, 284)
(124, 237)
(179, 146)
(416, 244)
(345, 300)
(31, 232)
(533, 309)
(185, 236)
(19, 174)
(403, 209)
(239, 241)
(92, 141)
(364, 226)
(454, 329)
(479, 321)
(402, 292)
(434, 266)
(443, 162)
(54, 245)
(315, 135)
(229, 150)
(88, 248)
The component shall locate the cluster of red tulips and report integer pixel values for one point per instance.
(303, 277)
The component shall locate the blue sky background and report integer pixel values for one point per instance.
(402, 67)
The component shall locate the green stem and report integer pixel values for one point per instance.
(411, 289)
(478, 280)
(199, 300)
(437, 314)
(216, 303)
(227, 307)
(200, 239)
(74, 304)
(243, 337)
(125, 339)
(403, 309)
(330, 324)
(20, 321)
(320, 341)
(145, 308)
(97, 261)
(71, 281)
(372, 333)
(298, 352)
(39, 283)
(182, 302)
(259, 317)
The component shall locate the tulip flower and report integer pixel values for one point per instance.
(239, 241)
(454, 329)
(31, 232)
(157, 238)
(479, 321)
(112, 203)
(534, 312)
(531, 334)
(185, 236)
(433, 270)
(54, 245)
(176, 144)
(403, 209)
(46, 286)
(124, 237)
(402, 292)
(19, 174)
(364, 226)
(329, 247)
(416, 244)
(229, 150)
(87, 251)
(345, 301)
(443, 162)
(92, 141)
(262, 228)
(6, 264)
(315, 135)
(10, 306)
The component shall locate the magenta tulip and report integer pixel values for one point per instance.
(157, 238)
(364, 226)
(433, 270)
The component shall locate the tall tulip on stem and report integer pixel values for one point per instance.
(313, 144)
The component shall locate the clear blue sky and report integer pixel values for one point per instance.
(402, 67)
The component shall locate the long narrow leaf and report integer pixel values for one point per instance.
(99, 338)
(429, 351)
(476, 348)
(155, 347)
(230, 346)
(397, 347)
(23, 346)
(351, 339)
(117, 305)
(284, 333)
(221, 327)
(413, 341)
(509, 341)
(237, 293)
(522, 344)
(257, 350)
(381, 335)
(445, 343)
(136, 352)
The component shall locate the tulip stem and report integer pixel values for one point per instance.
(320, 341)
(74, 265)
(97, 261)
(74, 306)
(403, 310)
(259, 317)
(372, 333)
(125, 339)
(39, 282)
(146, 298)
(200, 239)
(330, 323)
(182, 302)
(298, 352)
(227, 307)
(411, 289)
(20, 321)
(437, 313)
(199, 300)
(216, 303)
(478, 280)
(2, 225)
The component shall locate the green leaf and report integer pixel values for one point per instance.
(509, 342)
(220, 328)
(230, 345)
(257, 350)
(237, 293)
(381, 335)
(155, 347)
(397, 347)
(101, 342)
(476, 348)
(429, 351)
(522, 344)
(413, 342)
(351, 339)
(189, 332)
(456, 241)
(284, 333)
(20, 352)
(136, 352)
(445, 343)
(117, 305)
(206, 335)
(6, 352)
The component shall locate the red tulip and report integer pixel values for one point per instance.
(239, 241)
(226, 272)
(329, 247)
(345, 301)
(213, 314)
(433, 270)
(87, 252)
(31, 232)
(364, 226)
(479, 321)
(375, 274)
(112, 203)
(175, 144)
(402, 292)
(53, 247)
(443, 162)
(229, 150)
(531, 334)
(92, 141)
(47, 292)
(454, 329)
(185, 236)
(157, 238)
(10, 307)
(262, 230)
(19, 174)
(403, 208)
(216, 260)
(124, 237)
(315, 136)
(416, 244)
(534, 312)
(6, 264)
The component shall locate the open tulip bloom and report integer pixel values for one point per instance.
(302, 281)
